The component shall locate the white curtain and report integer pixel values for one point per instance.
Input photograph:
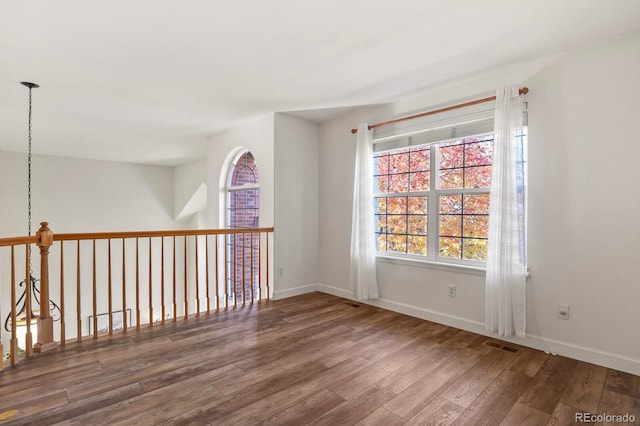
(363, 242)
(506, 263)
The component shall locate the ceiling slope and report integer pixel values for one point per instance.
(147, 81)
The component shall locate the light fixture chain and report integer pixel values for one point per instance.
(29, 167)
(29, 181)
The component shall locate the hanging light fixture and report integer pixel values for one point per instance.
(21, 304)
(30, 86)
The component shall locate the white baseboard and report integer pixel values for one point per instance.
(336, 291)
(582, 353)
(296, 291)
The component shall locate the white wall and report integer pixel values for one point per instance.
(257, 136)
(77, 195)
(187, 181)
(583, 209)
(584, 232)
(286, 153)
(337, 156)
(296, 205)
(423, 289)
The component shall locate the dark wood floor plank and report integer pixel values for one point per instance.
(352, 384)
(564, 415)
(386, 340)
(494, 403)
(330, 311)
(396, 360)
(25, 397)
(441, 333)
(36, 368)
(309, 359)
(208, 333)
(57, 379)
(306, 410)
(336, 357)
(358, 408)
(585, 386)
(367, 324)
(381, 417)
(115, 379)
(413, 399)
(181, 375)
(390, 345)
(272, 404)
(466, 389)
(174, 407)
(414, 370)
(142, 406)
(529, 362)
(67, 414)
(619, 404)
(459, 340)
(305, 302)
(549, 384)
(437, 412)
(36, 406)
(526, 416)
(624, 383)
(478, 344)
(229, 385)
(310, 341)
(230, 404)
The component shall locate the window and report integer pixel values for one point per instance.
(432, 201)
(243, 211)
(244, 193)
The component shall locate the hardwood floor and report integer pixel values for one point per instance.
(314, 359)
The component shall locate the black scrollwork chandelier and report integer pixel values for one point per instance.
(21, 304)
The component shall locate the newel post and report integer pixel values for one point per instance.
(45, 321)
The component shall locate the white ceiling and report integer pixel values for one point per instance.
(147, 81)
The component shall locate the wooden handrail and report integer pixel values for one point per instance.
(245, 245)
(18, 241)
(147, 234)
(181, 295)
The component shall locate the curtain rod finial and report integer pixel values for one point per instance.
(524, 90)
(354, 131)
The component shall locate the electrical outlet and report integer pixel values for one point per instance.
(280, 270)
(452, 290)
(563, 312)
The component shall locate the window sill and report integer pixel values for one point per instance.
(430, 264)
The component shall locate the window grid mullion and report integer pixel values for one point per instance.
(432, 199)
(462, 219)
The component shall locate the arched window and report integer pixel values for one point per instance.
(243, 193)
(243, 211)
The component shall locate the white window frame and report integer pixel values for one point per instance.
(432, 258)
(229, 189)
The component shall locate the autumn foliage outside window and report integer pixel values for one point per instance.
(433, 200)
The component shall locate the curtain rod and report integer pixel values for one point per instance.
(522, 91)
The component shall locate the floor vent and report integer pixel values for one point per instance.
(355, 305)
(501, 347)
